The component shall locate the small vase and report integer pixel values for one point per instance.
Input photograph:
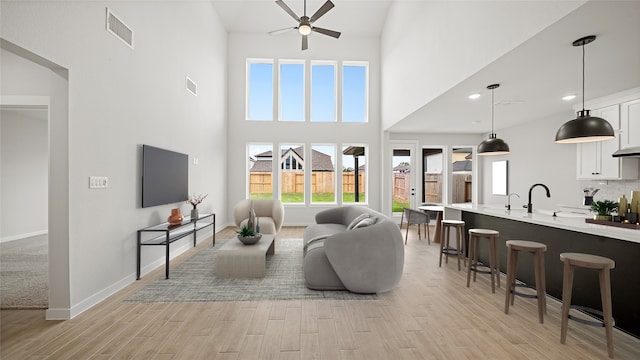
(176, 217)
(194, 214)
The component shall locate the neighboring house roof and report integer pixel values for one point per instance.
(462, 165)
(319, 161)
(402, 168)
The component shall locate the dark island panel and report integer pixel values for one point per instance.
(625, 277)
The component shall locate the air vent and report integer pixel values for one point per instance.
(192, 87)
(119, 29)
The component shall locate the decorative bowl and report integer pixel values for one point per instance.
(250, 240)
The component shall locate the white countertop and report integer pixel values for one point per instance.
(564, 220)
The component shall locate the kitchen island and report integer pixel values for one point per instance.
(566, 232)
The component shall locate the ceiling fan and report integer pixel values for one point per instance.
(305, 23)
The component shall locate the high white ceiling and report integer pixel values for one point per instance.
(533, 77)
(353, 17)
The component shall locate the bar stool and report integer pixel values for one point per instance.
(538, 250)
(445, 249)
(494, 261)
(603, 265)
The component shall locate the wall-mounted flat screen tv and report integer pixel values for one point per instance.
(165, 176)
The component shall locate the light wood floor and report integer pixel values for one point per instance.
(430, 315)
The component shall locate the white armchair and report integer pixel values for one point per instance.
(269, 214)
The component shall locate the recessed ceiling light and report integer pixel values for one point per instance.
(474, 96)
(475, 122)
(569, 97)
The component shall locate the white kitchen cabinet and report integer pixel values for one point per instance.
(630, 123)
(594, 159)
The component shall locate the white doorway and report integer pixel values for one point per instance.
(403, 177)
(41, 82)
(24, 164)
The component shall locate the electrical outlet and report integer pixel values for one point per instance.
(98, 182)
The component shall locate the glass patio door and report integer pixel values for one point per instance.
(403, 191)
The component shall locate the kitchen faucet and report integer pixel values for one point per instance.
(529, 206)
(508, 206)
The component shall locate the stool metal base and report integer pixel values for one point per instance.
(591, 312)
(525, 295)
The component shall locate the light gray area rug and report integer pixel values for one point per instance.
(195, 281)
(24, 273)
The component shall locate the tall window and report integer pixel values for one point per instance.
(462, 175)
(259, 90)
(354, 171)
(260, 165)
(355, 92)
(432, 176)
(291, 91)
(321, 105)
(292, 165)
(323, 173)
(323, 91)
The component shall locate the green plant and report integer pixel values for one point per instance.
(246, 231)
(604, 207)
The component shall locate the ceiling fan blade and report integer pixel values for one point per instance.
(305, 42)
(323, 10)
(280, 31)
(331, 33)
(286, 8)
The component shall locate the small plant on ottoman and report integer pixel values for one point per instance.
(248, 236)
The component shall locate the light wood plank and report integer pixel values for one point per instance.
(430, 315)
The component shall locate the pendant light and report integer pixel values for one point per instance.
(493, 145)
(584, 128)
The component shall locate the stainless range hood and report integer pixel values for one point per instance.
(628, 152)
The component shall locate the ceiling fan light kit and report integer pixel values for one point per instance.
(305, 24)
(584, 128)
(493, 145)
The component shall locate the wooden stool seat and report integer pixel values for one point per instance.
(601, 264)
(494, 261)
(538, 250)
(445, 249)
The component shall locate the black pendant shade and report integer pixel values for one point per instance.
(493, 145)
(584, 128)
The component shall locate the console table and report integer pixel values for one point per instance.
(171, 233)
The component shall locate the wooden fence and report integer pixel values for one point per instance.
(293, 181)
(462, 185)
(322, 182)
(401, 190)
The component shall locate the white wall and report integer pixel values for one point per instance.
(287, 46)
(424, 53)
(536, 158)
(120, 98)
(24, 163)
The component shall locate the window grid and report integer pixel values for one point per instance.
(321, 105)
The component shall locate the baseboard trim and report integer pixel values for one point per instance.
(23, 236)
(84, 305)
(57, 314)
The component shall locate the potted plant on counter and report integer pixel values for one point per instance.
(603, 209)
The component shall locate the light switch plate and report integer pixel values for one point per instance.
(98, 182)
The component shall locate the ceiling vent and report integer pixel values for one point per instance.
(119, 29)
(192, 87)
